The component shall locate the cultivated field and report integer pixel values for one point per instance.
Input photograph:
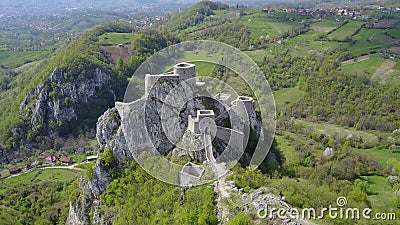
(346, 30)
(370, 41)
(325, 26)
(261, 25)
(15, 59)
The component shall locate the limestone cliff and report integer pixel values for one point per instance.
(60, 103)
(109, 135)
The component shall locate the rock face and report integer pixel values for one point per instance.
(109, 135)
(152, 122)
(60, 102)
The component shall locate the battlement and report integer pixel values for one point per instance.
(185, 70)
(182, 71)
(193, 122)
(151, 79)
(244, 106)
(223, 98)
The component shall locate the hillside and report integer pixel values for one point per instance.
(68, 94)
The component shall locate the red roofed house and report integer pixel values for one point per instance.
(51, 159)
(15, 170)
(66, 160)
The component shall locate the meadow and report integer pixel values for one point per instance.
(380, 194)
(394, 32)
(370, 41)
(115, 38)
(62, 175)
(15, 59)
(338, 131)
(325, 26)
(261, 25)
(347, 30)
(286, 97)
(382, 155)
(367, 67)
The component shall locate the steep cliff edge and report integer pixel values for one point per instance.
(61, 103)
(109, 135)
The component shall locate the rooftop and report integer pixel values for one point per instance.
(192, 170)
(205, 112)
(222, 96)
(184, 65)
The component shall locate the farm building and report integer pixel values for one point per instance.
(15, 170)
(66, 160)
(51, 159)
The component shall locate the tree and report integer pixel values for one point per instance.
(240, 219)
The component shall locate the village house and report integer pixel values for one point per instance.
(66, 160)
(15, 170)
(51, 159)
(289, 10)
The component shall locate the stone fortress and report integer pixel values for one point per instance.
(177, 112)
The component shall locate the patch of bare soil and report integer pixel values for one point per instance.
(113, 53)
(385, 23)
(359, 59)
(384, 71)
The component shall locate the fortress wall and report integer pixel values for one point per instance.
(245, 107)
(185, 70)
(151, 80)
(193, 124)
(235, 137)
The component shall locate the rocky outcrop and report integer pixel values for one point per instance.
(157, 122)
(109, 135)
(61, 102)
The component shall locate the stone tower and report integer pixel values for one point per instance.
(185, 70)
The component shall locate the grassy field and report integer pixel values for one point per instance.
(203, 68)
(368, 66)
(115, 38)
(261, 25)
(256, 55)
(397, 66)
(86, 166)
(312, 47)
(346, 30)
(305, 44)
(284, 98)
(369, 40)
(395, 32)
(381, 195)
(287, 149)
(325, 26)
(395, 77)
(338, 131)
(381, 155)
(31, 67)
(15, 59)
(62, 175)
